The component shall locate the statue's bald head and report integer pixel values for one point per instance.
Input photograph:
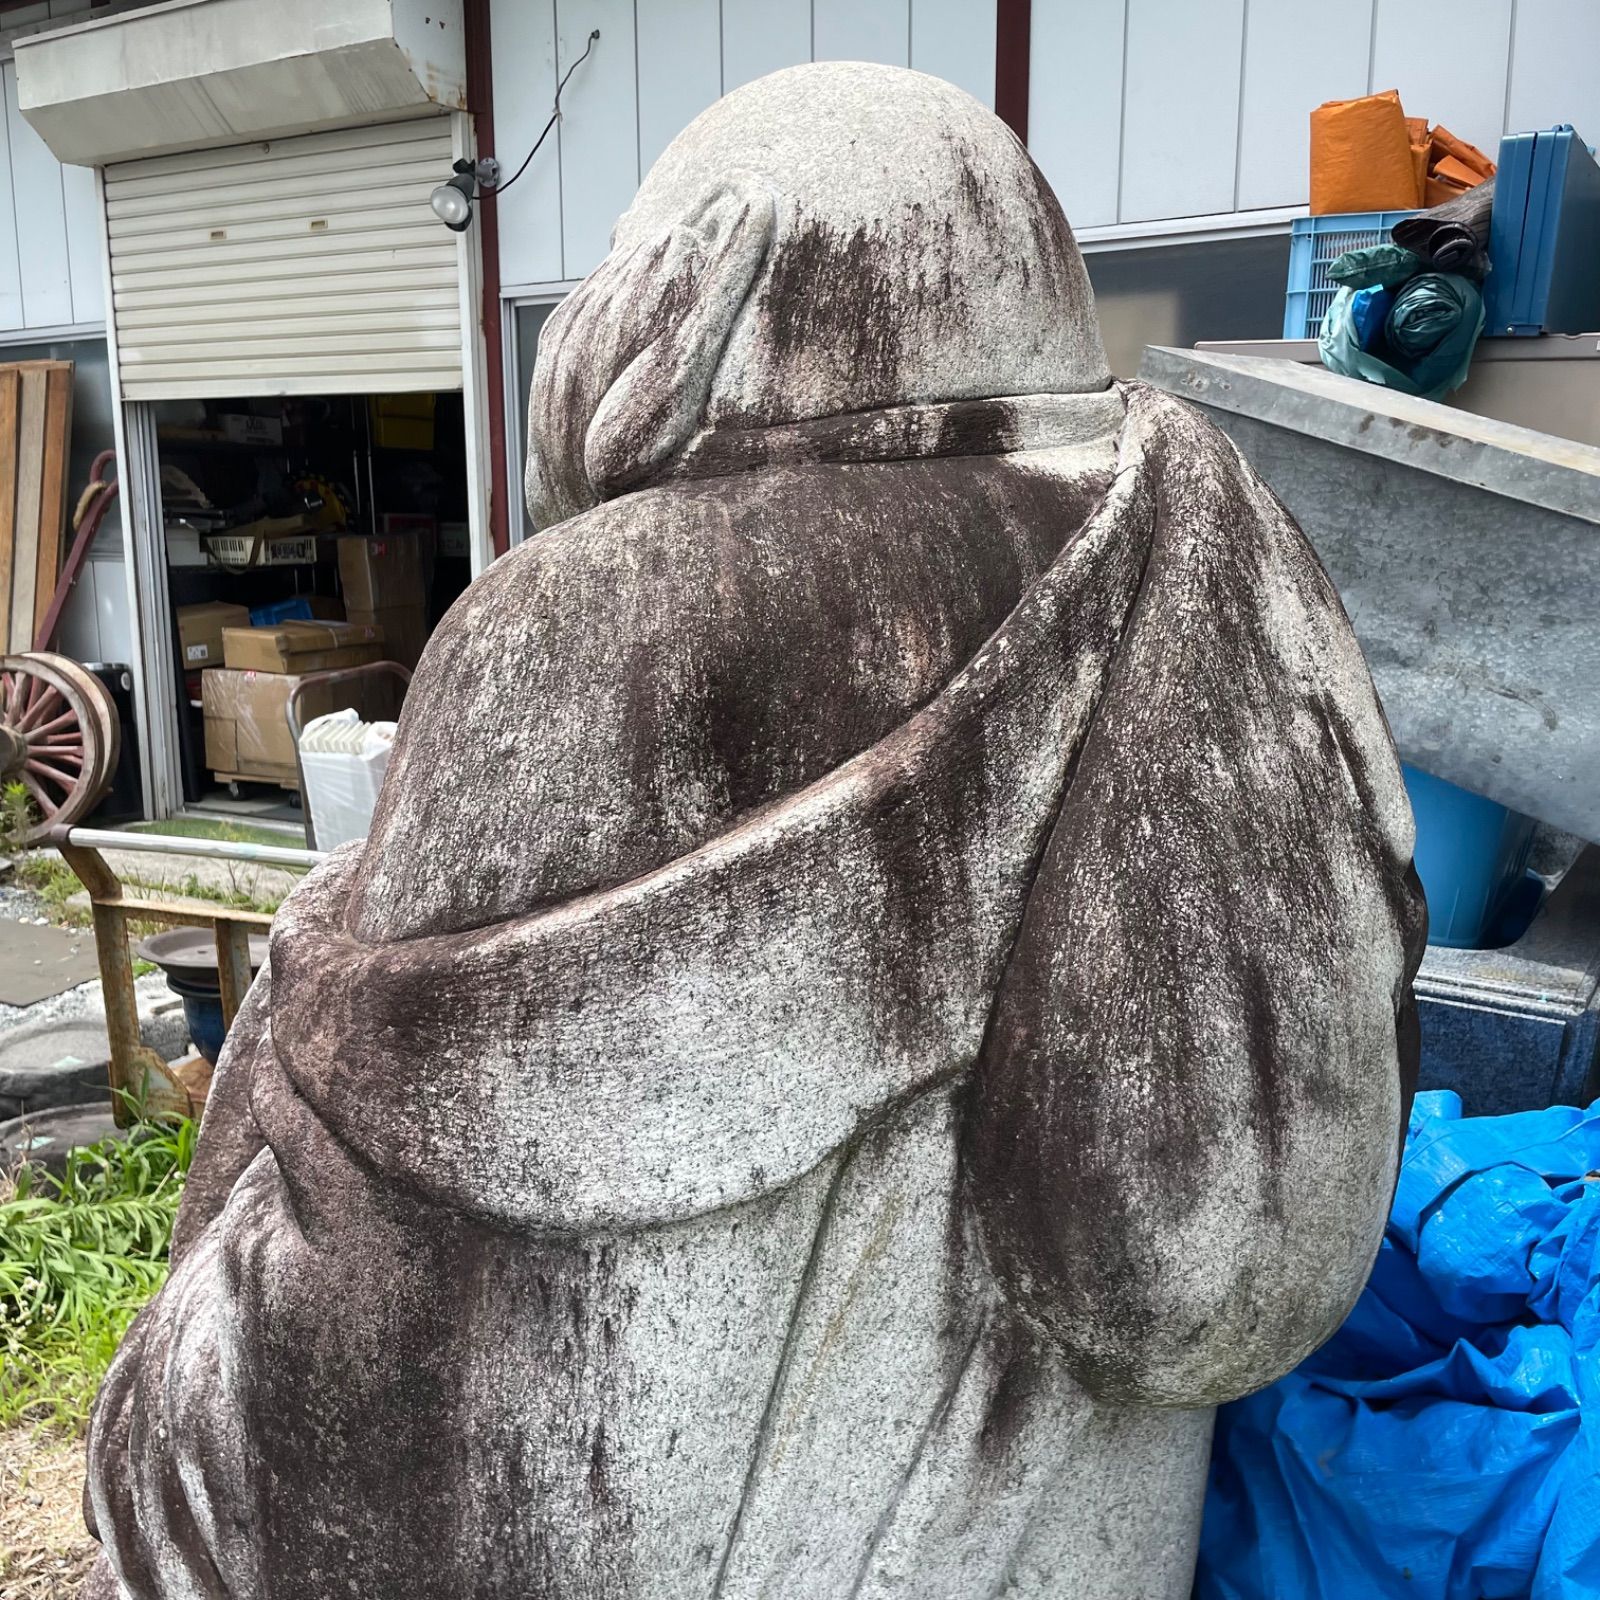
(831, 238)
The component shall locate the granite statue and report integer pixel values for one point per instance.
(878, 990)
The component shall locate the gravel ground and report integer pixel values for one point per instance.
(160, 1013)
(157, 1003)
(45, 1551)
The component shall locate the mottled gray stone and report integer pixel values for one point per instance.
(1467, 552)
(878, 991)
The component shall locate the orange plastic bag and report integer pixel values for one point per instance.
(1454, 166)
(1361, 156)
(1421, 149)
(1445, 146)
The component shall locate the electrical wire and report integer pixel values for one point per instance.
(500, 188)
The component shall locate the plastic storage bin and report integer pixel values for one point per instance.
(1544, 237)
(1315, 243)
(295, 609)
(342, 762)
(1471, 855)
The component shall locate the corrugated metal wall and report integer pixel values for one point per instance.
(658, 64)
(49, 230)
(305, 265)
(1139, 110)
(1143, 110)
(49, 233)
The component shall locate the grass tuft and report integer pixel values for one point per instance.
(79, 1255)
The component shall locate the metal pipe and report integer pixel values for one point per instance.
(171, 844)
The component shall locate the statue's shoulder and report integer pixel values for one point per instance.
(652, 538)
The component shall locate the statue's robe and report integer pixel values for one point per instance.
(878, 994)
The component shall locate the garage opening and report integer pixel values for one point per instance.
(303, 535)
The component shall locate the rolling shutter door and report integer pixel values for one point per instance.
(308, 265)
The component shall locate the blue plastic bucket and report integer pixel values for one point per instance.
(1471, 854)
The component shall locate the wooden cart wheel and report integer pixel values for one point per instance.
(59, 736)
(108, 747)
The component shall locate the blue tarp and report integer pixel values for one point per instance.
(1442, 1446)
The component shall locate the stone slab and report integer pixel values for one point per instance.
(1518, 1029)
(36, 962)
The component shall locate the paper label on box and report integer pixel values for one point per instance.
(197, 652)
(246, 549)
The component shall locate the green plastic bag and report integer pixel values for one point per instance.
(1427, 342)
(1379, 266)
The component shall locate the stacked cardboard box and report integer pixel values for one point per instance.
(301, 646)
(385, 583)
(247, 722)
(200, 631)
(245, 703)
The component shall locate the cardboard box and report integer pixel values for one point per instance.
(376, 573)
(301, 646)
(200, 631)
(404, 630)
(247, 717)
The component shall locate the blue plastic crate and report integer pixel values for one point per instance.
(295, 609)
(1472, 854)
(1315, 243)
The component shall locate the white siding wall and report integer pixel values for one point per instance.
(1142, 110)
(658, 64)
(49, 230)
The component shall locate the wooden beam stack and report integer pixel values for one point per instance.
(35, 452)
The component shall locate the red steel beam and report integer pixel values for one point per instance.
(1013, 30)
(480, 101)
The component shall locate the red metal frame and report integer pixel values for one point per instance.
(86, 526)
(1013, 34)
(480, 101)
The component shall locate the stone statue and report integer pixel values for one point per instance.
(879, 987)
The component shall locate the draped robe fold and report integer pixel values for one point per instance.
(876, 1196)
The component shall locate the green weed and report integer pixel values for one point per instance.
(79, 1255)
(17, 814)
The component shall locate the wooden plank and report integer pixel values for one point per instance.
(55, 490)
(30, 481)
(10, 422)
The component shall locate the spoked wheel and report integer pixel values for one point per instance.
(59, 736)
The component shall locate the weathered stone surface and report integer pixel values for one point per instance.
(879, 988)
